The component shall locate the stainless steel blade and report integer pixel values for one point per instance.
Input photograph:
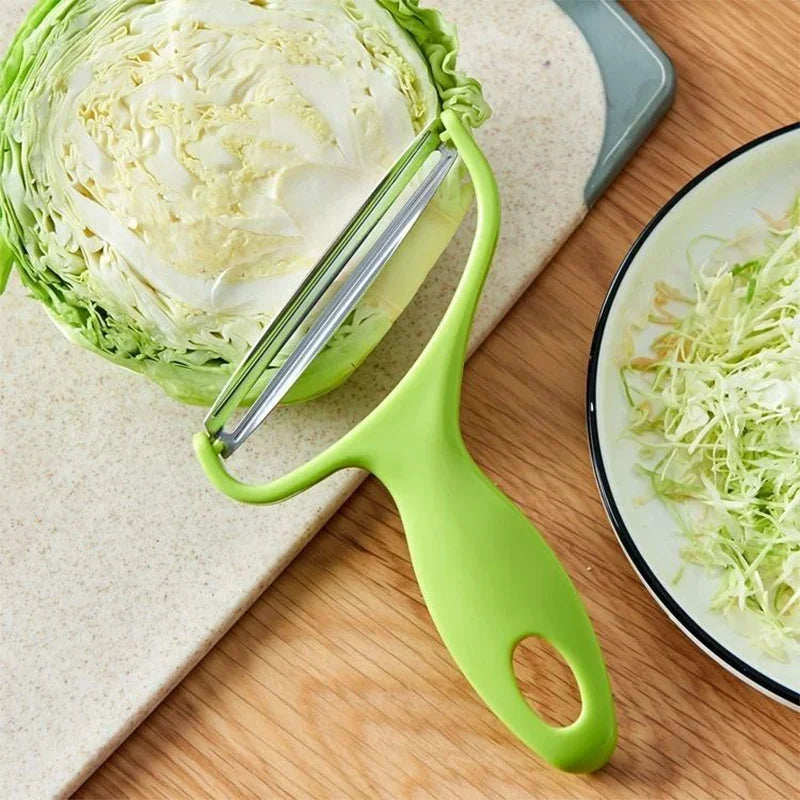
(321, 277)
(345, 299)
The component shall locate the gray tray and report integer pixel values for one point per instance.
(639, 82)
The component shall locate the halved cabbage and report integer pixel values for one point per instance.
(172, 169)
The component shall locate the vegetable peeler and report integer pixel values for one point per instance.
(488, 577)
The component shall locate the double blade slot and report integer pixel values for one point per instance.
(319, 281)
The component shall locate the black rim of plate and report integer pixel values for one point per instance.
(674, 609)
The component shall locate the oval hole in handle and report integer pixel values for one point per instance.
(546, 681)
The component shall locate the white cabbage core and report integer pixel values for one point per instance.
(195, 157)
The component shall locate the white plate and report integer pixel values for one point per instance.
(763, 175)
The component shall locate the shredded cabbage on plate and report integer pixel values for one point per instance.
(716, 410)
(170, 170)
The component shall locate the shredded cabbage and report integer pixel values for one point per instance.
(716, 410)
(171, 169)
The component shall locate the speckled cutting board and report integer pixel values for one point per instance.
(119, 566)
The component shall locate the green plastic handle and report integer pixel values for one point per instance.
(488, 577)
(489, 581)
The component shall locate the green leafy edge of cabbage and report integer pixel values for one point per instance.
(437, 40)
(187, 375)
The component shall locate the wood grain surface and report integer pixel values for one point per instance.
(335, 683)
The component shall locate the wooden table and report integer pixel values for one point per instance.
(335, 683)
